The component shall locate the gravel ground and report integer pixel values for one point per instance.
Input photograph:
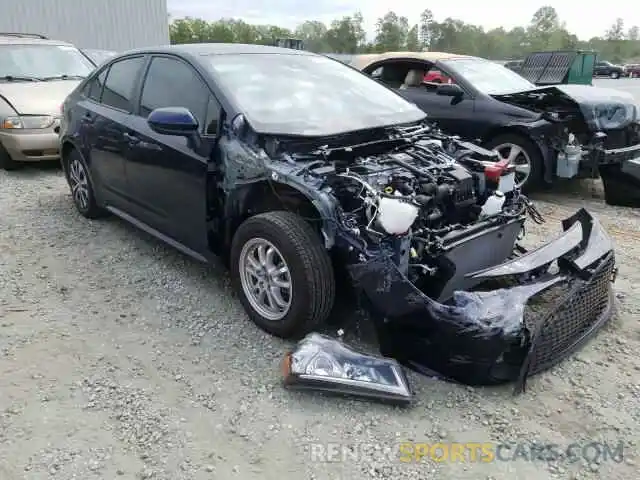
(122, 358)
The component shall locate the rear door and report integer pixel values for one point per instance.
(106, 123)
(167, 174)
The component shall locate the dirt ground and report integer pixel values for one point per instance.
(122, 358)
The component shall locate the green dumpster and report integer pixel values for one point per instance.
(559, 67)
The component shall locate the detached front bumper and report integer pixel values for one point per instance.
(559, 296)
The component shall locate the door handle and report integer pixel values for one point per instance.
(131, 138)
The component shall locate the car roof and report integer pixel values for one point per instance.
(17, 39)
(362, 61)
(200, 49)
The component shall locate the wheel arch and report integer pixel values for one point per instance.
(524, 133)
(266, 196)
(67, 146)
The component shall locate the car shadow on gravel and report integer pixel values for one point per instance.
(31, 169)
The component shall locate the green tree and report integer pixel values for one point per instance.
(616, 31)
(391, 32)
(544, 25)
(413, 40)
(314, 35)
(425, 32)
(347, 35)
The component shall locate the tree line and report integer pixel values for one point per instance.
(546, 31)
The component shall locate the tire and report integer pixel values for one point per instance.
(620, 189)
(6, 162)
(77, 173)
(310, 272)
(614, 75)
(532, 151)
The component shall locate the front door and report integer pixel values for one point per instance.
(167, 174)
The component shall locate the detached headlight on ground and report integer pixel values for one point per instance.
(27, 122)
(323, 363)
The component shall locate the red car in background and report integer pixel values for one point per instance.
(436, 76)
(632, 70)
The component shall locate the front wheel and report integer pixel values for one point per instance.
(614, 75)
(282, 273)
(524, 154)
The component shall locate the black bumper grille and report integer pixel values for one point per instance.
(574, 319)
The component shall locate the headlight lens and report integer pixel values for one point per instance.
(37, 122)
(323, 363)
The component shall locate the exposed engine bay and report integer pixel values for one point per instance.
(408, 197)
(428, 227)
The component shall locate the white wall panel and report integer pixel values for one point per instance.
(104, 24)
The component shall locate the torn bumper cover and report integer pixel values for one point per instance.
(559, 296)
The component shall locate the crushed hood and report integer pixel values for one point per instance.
(602, 108)
(37, 98)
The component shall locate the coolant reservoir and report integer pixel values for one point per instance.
(493, 205)
(396, 216)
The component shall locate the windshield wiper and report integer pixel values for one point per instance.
(63, 77)
(20, 78)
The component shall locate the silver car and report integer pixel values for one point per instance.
(36, 75)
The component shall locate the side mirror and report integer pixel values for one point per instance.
(449, 90)
(173, 121)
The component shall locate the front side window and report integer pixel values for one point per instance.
(309, 95)
(120, 82)
(43, 62)
(173, 83)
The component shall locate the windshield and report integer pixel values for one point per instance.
(489, 77)
(308, 95)
(42, 61)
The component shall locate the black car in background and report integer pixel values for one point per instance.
(607, 69)
(547, 132)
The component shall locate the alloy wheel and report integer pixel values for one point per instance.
(79, 184)
(265, 279)
(518, 156)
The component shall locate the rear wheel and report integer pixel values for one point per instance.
(6, 162)
(82, 191)
(282, 273)
(524, 154)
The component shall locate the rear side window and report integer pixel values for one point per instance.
(121, 79)
(93, 90)
(173, 83)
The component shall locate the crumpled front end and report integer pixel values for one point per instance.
(526, 315)
(597, 132)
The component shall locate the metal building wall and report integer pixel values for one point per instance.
(102, 24)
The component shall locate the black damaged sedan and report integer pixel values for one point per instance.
(548, 133)
(300, 171)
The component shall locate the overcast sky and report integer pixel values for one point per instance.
(585, 19)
